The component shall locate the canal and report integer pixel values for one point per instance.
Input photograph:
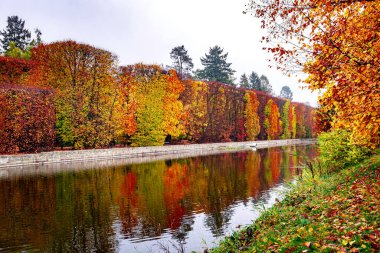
(188, 203)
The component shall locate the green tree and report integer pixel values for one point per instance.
(15, 32)
(216, 67)
(286, 92)
(16, 52)
(182, 62)
(244, 81)
(265, 86)
(150, 115)
(285, 120)
(254, 81)
(38, 40)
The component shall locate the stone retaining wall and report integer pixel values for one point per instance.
(43, 158)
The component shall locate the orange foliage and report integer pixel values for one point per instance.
(176, 187)
(195, 108)
(85, 91)
(300, 110)
(173, 108)
(14, 71)
(272, 120)
(27, 119)
(252, 123)
(337, 43)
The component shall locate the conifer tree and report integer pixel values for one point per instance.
(244, 81)
(254, 81)
(216, 67)
(15, 32)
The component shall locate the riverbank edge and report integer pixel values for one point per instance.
(332, 213)
(51, 157)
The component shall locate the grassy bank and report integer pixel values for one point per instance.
(333, 213)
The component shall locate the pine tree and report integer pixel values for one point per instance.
(244, 81)
(15, 32)
(254, 81)
(286, 92)
(182, 62)
(216, 67)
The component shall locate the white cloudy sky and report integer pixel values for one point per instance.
(146, 31)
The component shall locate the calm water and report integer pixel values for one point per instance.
(143, 207)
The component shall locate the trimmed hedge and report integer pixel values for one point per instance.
(13, 70)
(27, 119)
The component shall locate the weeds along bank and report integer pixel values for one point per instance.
(94, 103)
(332, 208)
(325, 213)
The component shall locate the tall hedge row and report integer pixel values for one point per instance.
(97, 104)
(14, 70)
(27, 119)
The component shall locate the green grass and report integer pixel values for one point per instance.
(334, 213)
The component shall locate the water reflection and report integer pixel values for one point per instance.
(135, 207)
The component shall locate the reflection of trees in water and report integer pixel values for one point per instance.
(217, 220)
(27, 207)
(226, 183)
(85, 213)
(179, 234)
(77, 211)
(57, 214)
(252, 165)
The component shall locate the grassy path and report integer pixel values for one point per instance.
(335, 213)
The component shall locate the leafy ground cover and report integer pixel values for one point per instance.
(332, 213)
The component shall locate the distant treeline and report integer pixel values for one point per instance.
(75, 95)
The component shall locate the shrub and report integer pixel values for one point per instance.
(27, 119)
(337, 151)
(13, 70)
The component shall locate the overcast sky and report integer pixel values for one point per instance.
(146, 31)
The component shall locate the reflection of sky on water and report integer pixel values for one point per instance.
(138, 207)
(200, 236)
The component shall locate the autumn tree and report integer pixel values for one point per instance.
(336, 43)
(194, 99)
(151, 109)
(182, 62)
(173, 124)
(323, 119)
(15, 70)
(83, 78)
(216, 67)
(27, 119)
(272, 120)
(286, 93)
(16, 52)
(300, 110)
(146, 95)
(285, 120)
(293, 122)
(252, 124)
